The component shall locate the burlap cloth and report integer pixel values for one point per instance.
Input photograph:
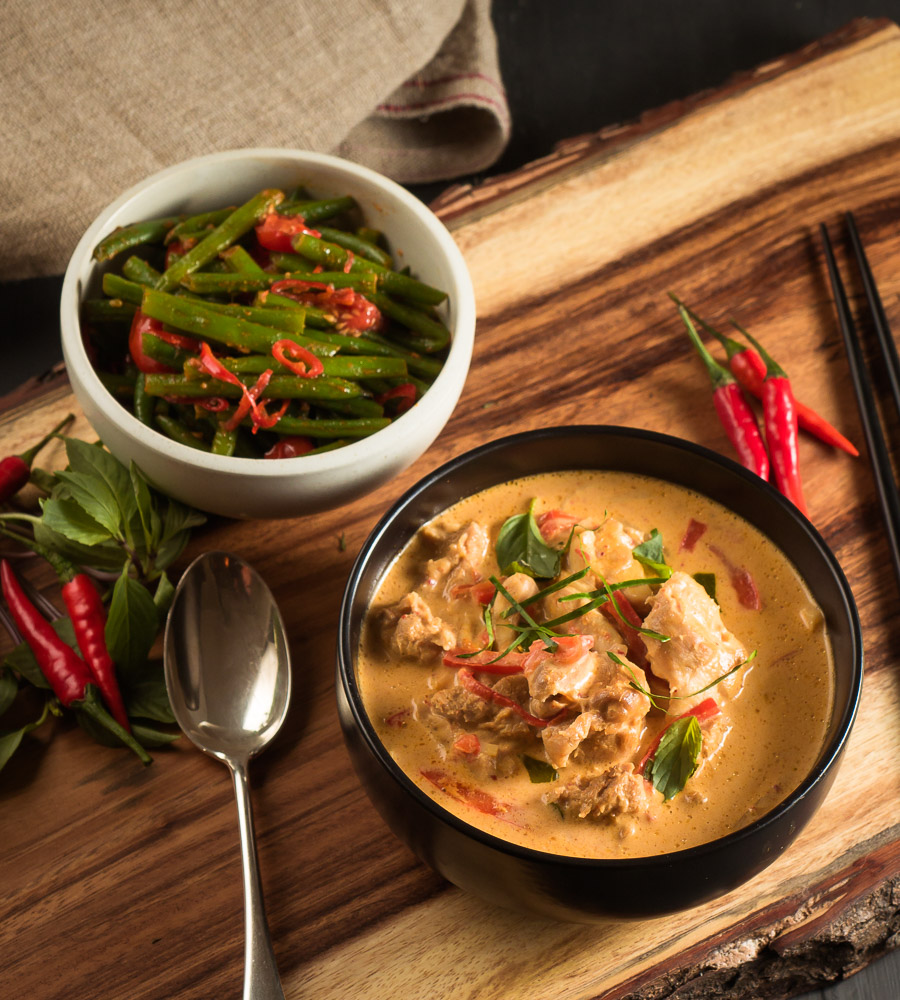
(95, 95)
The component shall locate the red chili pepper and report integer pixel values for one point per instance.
(85, 607)
(68, 675)
(276, 232)
(15, 470)
(305, 363)
(404, 394)
(733, 409)
(290, 446)
(750, 370)
(742, 581)
(707, 709)
(248, 404)
(780, 419)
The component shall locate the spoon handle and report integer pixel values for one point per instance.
(261, 980)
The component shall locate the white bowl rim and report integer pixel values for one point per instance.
(462, 329)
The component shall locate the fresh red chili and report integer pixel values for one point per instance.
(780, 419)
(15, 470)
(67, 674)
(248, 404)
(707, 709)
(301, 361)
(732, 408)
(353, 311)
(88, 615)
(750, 370)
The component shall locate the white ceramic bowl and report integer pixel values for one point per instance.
(254, 488)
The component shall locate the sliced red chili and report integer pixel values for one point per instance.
(301, 361)
(474, 686)
(742, 581)
(473, 797)
(637, 650)
(693, 533)
(353, 311)
(486, 661)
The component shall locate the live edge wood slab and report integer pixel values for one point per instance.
(120, 881)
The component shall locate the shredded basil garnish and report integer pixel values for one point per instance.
(539, 771)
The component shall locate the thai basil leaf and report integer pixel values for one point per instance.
(10, 740)
(9, 688)
(650, 554)
(94, 462)
(131, 625)
(145, 695)
(69, 519)
(162, 598)
(96, 499)
(676, 757)
(539, 771)
(521, 548)
(708, 582)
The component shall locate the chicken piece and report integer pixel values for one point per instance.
(700, 647)
(461, 561)
(496, 722)
(520, 587)
(604, 634)
(614, 793)
(609, 713)
(609, 551)
(410, 629)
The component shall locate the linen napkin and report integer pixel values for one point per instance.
(95, 95)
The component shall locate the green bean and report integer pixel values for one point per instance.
(206, 282)
(197, 223)
(117, 287)
(330, 254)
(239, 261)
(165, 353)
(373, 236)
(324, 428)
(425, 334)
(291, 262)
(340, 367)
(316, 317)
(357, 245)
(224, 442)
(280, 319)
(198, 318)
(107, 311)
(360, 406)
(232, 229)
(144, 405)
(126, 237)
(136, 269)
(315, 211)
(178, 432)
(118, 385)
(279, 387)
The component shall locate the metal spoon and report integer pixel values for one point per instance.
(229, 680)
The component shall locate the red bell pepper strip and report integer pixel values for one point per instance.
(750, 370)
(68, 675)
(742, 581)
(474, 686)
(780, 419)
(707, 709)
(485, 661)
(732, 408)
(693, 533)
(15, 470)
(627, 621)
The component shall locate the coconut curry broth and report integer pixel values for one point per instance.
(592, 726)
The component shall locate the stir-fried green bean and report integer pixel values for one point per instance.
(236, 326)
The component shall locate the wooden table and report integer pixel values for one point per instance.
(123, 881)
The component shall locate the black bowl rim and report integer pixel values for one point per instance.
(829, 755)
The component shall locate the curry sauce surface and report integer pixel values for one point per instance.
(778, 711)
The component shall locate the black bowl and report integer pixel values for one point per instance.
(576, 888)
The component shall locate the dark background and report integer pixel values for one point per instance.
(570, 67)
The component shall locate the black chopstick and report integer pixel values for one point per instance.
(879, 457)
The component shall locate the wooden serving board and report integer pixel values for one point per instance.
(120, 881)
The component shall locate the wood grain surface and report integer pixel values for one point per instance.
(120, 881)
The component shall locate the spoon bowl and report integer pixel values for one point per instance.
(229, 681)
